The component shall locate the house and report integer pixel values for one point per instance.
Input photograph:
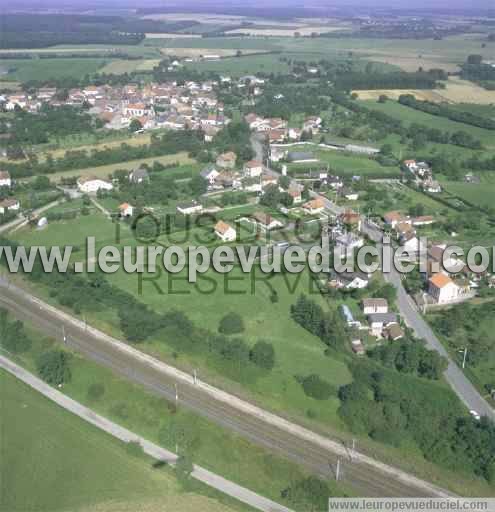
(5, 180)
(349, 194)
(379, 321)
(126, 210)
(252, 184)
(210, 132)
(348, 242)
(210, 174)
(189, 208)
(295, 191)
(139, 175)
(268, 179)
(424, 220)
(349, 280)
(266, 222)
(227, 160)
(92, 184)
(445, 290)
(372, 306)
(394, 218)
(358, 347)
(432, 186)
(351, 219)
(314, 206)
(9, 205)
(404, 229)
(276, 135)
(394, 332)
(253, 168)
(225, 231)
(411, 243)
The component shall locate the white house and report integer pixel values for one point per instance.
(444, 290)
(253, 168)
(379, 321)
(372, 306)
(394, 218)
(189, 208)
(266, 221)
(5, 180)
(91, 184)
(126, 210)
(225, 231)
(209, 174)
(9, 205)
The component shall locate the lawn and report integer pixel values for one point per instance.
(25, 70)
(52, 460)
(121, 66)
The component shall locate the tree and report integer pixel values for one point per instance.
(53, 366)
(317, 388)
(308, 494)
(198, 185)
(231, 323)
(135, 126)
(13, 338)
(263, 355)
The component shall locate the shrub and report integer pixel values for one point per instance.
(263, 355)
(231, 323)
(53, 367)
(315, 387)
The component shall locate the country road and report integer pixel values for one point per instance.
(460, 384)
(157, 452)
(317, 453)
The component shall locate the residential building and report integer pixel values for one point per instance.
(126, 210)
(225, 231)
(393, 218)
(9, 204)
(210, 174)
(253, 168)
(394, 332)
(227, 160)
(314, 206)
(5, 180)
(189, 208)
(139, 175)
(372, 306)
(266, 222)
(92, 184)
(379, 321)
(445, 290)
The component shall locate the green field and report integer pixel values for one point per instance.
(480, 194)
(25, 70)
(343, 163)
(410, 115)
(51, 460)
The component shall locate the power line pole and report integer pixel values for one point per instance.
(195, 376)
(464, 358)
(337, 472)
(176, 394)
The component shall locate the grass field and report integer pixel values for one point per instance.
(481, 194)
(410, 115)
(344, 163)
(121, 66)
(104, 171)
(45, 69)
(52, 460)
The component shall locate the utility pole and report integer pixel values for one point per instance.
(176, 394)
(337, 472)
(464, 357)
(63, 334)
(353, 447)
(195, 376)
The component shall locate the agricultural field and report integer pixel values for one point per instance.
(410, 115)
(98, 472)
(481, 194)
(121, 66)
(25, 70)
(103, 171)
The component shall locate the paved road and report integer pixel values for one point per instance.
(157, 452)
(21, 220)
(461, 385)
(317, 453)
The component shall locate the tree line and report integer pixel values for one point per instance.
(444, 110)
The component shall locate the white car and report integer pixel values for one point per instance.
(475, 414)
